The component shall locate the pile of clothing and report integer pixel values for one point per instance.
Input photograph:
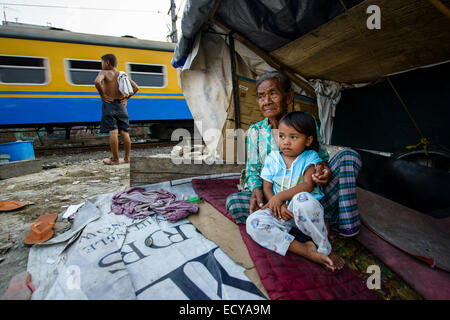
(137, 203)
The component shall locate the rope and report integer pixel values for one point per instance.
(441, 7)
(423, 141)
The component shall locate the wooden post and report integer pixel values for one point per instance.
(237, 120)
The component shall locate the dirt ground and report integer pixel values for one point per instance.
(71, 179)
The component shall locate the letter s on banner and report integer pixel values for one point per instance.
(374, 281)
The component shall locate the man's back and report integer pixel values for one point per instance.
(110, 84)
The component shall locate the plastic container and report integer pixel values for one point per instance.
(19, 150)
(4, 158)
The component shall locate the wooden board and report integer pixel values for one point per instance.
(19, 168)
(302, 103)
(413, 33)
(148, 170)
(248, 105)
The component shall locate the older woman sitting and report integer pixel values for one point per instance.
(336, 176)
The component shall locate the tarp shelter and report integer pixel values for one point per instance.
(324, 47)
(330, 50)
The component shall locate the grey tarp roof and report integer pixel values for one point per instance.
(318, 40)
(268, 23)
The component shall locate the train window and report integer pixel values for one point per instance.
(23, 70)
(147, 75)
(83, 72)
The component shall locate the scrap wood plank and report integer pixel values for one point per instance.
(19, 168)
(148, 170)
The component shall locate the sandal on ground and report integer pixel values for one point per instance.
(20, 287)
(41, 230)
(7, 205)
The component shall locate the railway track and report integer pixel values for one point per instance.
(46, 151)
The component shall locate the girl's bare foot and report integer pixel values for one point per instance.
(337, 260)
(332, 235)
(319, 258)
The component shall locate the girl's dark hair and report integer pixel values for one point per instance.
(304, 123)
(109, 57)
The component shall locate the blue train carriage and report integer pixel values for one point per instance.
(47, 78)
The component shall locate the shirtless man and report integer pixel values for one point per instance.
(114, 108)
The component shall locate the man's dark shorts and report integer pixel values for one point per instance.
(114, 116)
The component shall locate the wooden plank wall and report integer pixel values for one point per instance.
(148, 170)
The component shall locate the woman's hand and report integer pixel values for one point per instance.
(256, 200)
(322, 174)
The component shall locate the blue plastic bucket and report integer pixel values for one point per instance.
(19, 150)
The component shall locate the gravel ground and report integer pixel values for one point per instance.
(75, 158)
(71, 179)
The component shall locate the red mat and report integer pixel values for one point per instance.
(290, 277)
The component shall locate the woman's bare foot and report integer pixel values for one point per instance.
(337, 260)
(126, 160)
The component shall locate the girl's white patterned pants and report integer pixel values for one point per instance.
(274, 235)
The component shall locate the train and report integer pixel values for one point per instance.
(47, 78)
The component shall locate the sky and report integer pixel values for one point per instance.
(143, 19)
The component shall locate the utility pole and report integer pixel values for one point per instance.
(4, 13)
(173, 34)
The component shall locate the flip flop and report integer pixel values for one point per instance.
(7, 205)
(41, 230)
(20, 287)
(109, 162)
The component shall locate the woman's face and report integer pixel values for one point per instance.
(272, 99)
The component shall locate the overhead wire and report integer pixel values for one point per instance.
(81, 8)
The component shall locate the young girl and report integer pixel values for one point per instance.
(293, 198)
